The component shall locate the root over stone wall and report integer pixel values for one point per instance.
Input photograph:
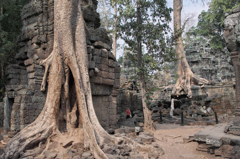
(36, 43)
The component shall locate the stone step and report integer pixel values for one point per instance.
(214, 136)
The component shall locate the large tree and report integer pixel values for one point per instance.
(143, 25)
(68, 78)
(185, 75)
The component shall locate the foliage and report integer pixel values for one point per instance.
(120, 60)
(153, 30)
(210, 23)
(10, 28)
(106, 14)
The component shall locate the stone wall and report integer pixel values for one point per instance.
(219, 97)
(232, 34)
(129, 99)
(23, 96)
(128, 70)
(210, 64)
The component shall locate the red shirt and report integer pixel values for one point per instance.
(128, 112)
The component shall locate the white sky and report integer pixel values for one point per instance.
(188, 8)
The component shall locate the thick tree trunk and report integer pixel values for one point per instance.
(147, 115)
(185, 74)
(67, 61)
(115, 32)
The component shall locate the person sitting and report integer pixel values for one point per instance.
(128, 113)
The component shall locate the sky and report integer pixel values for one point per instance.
(189, 8)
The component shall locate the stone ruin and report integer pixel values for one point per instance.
(219, 97)
(223, 139)
(128, 69)
(199, 110)
(205, 62)
(129, 95)
(23, 99)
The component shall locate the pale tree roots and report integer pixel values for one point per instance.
(186, 77)
(183, 85)
(68, 111)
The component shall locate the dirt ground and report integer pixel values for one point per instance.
(170, 138)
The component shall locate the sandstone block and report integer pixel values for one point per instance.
(12, 71)
(146, 139)
(89, 57)
(111, 63)
(89, 50)
(14, 82)
(97, 52)
(111, 56)
(101, 45)
(97, 79)
(117, 69)
(104, 61)
(16, 106)
(111, 76)
(91, 65)
(119, 131)
(108, 82)
(36, 99)
(111, 70)
(104, 53)
(104, 74)
(21, 56)
(17, 99)
(25, 92)
(13, 76)
(97, 59)
(102, 67)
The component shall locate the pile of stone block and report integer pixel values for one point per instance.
(214, 140)
(218, 97)
(205, 62)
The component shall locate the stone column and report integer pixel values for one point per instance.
(7, 114)
(232, 37)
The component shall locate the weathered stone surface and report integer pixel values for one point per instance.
(36, 43)
(146, 139)
(208, 63)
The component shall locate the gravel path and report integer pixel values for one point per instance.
(170, 138)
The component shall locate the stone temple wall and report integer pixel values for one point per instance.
(23, 99)
(128, 70)
(220, 97)
(210, 64)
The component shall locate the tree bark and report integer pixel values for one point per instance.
(105, 13)
(115, 32)
(185, 75)
(68, 59)
(147, 115)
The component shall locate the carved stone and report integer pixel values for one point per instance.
(232, 37)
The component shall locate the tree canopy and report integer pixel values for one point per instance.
(210, 23)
